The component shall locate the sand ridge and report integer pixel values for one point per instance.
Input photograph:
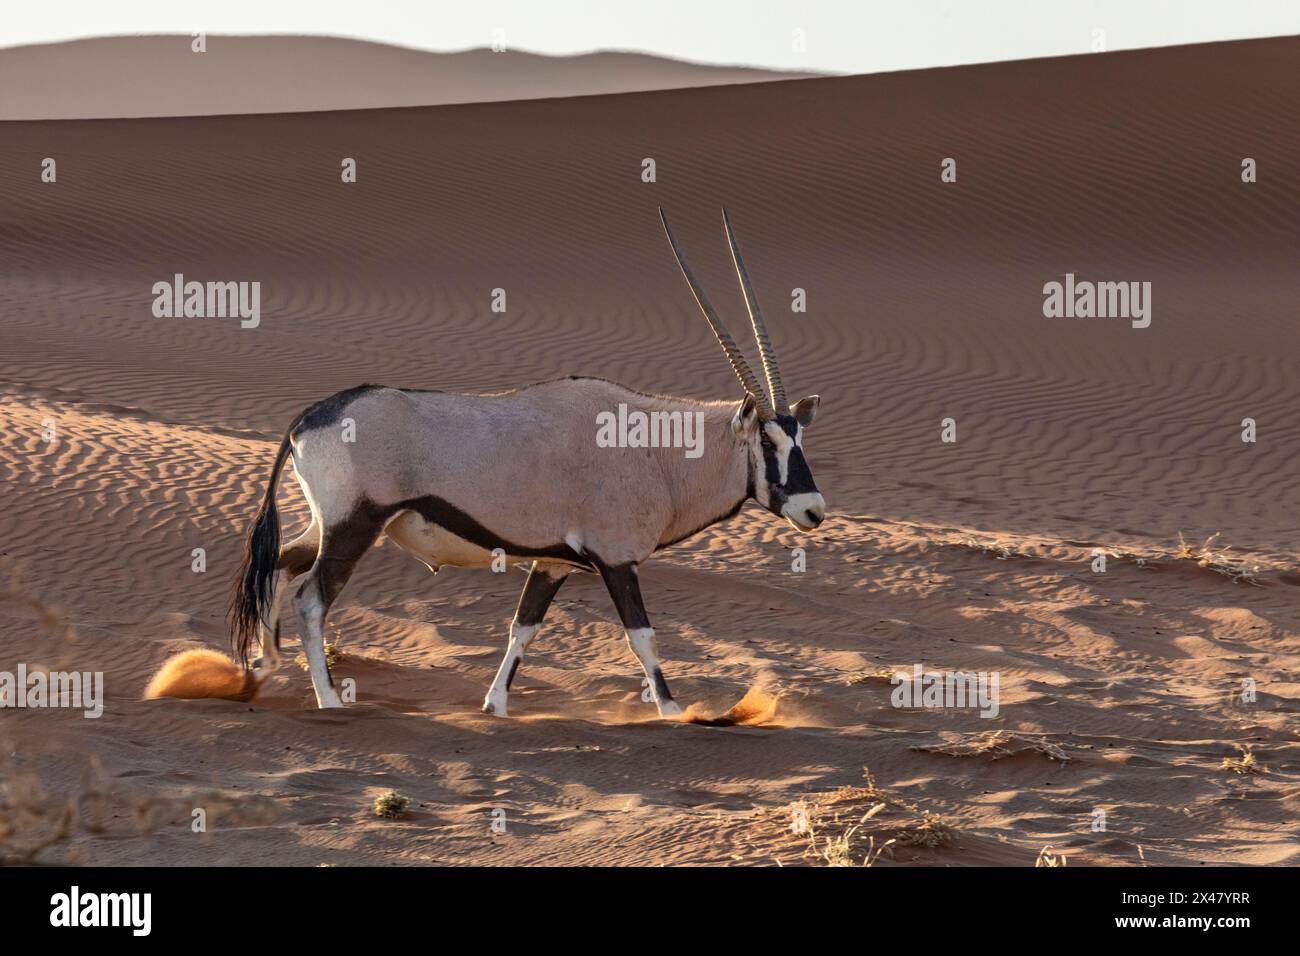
(134, 76)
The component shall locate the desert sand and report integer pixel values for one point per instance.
(134, 76)
(1119, 690)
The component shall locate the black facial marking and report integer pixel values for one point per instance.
(798, 477)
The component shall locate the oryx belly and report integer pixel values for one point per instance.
(434, 544)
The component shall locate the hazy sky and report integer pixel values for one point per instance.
(841, 35)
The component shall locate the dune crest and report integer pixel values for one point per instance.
(139, 76)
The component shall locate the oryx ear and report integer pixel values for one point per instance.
(746, 415)
(805, 410)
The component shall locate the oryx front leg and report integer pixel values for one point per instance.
(540, 588)
(621, 580)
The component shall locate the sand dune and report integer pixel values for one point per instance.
(925, 302)
(133, 76)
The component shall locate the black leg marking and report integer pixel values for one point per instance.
(539, 591)
(661, 685)
(342, 546)
(625, 591)
(541, 587)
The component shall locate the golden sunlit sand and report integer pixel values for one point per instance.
(756, 707)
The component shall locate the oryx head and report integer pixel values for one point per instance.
(771, 429)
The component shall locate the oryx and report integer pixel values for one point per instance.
(454, 478)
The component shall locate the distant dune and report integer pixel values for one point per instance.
(130, 440)
(160, 76)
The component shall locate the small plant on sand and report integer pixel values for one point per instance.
(995, 744)
(333, 655)
(1048, 858)
(1243, 764)
(1143, 561)
(390, 805)
(933, 831)
(999, 550)
(31, 821)
(836, 841)
(1220, 562)
(838, 850)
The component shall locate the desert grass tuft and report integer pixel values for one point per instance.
(932, 831)
(996, 548)
(836, 825)
(995, 744)
(885, 674)
(1220, 562)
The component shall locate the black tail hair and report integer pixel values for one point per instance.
(251, 597)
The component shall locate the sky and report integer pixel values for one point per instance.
(839, 36)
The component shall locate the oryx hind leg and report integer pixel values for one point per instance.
(625, 590)
(342, 546)
(296, 558)
(543, 582)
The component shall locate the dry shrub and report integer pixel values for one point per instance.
(1243, 764)
(391, 805)
(885, 674)
(1047, 857)
(1220, 561)
(837, 825)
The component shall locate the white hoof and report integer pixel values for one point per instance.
(670, 708)
(495, 705)
(332, 702)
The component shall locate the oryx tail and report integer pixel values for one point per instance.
(254, 588)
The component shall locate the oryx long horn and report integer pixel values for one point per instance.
(734, 355)
(775, 388)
